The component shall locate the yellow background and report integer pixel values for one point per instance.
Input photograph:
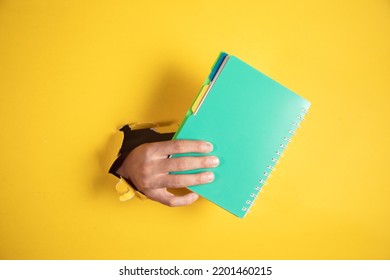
(72, 72)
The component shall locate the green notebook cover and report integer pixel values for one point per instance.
(249, 118)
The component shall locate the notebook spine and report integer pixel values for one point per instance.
(273, 161)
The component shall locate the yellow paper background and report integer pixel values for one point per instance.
(72, 72)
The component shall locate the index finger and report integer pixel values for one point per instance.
(167, 148)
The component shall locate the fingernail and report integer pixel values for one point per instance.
(208, 147)
(213, 161)
(194, 196)
(210, 177)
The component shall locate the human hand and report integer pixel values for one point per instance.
(148, 167)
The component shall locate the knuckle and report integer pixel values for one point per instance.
(199, 179)
(178, 146)
(205, 162)
(182, 164)
(147, 149)
(171, 202)
(176, 182)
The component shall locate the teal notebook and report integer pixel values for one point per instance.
(249, 118)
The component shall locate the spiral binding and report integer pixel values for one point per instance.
(266, 174)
